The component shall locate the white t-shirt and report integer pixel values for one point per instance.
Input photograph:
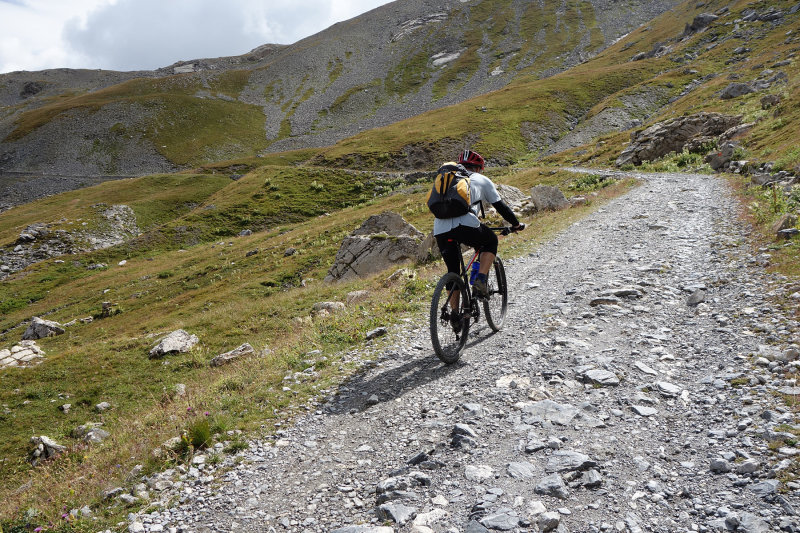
(480, 188)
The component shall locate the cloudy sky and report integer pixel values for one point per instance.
(147, 34)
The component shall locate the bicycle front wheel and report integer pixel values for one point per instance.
(449, 318)
(496, 305)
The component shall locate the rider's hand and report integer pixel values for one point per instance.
(518, 227)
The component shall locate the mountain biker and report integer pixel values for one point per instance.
(468, 229)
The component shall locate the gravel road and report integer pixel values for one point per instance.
(633, 388)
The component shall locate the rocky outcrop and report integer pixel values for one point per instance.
(179, 341)
(672, 135)
(40, 328)
(112, 225)
(23, 354)
(700, 22)
(381, 242)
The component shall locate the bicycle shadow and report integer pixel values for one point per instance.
(372, 387)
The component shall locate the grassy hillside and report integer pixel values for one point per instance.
(190, 269)
(218, 291)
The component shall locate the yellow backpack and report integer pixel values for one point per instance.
(450, 196)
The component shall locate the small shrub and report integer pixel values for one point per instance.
(198, 434)
(236, 446)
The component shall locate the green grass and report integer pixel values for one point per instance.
(225, 297)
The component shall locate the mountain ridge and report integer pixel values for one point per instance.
(385, 65)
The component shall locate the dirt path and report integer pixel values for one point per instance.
(643, 413)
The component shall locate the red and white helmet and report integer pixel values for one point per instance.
(468, 157)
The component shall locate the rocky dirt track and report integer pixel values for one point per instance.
(609, 401)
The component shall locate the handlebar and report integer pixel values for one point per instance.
(506, 230)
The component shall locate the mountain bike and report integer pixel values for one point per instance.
(454, 306)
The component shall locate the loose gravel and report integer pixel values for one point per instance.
(636, 386)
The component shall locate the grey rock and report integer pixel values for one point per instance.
(396, 512)
(591, 479)
(179, 341)
(363, 529)
(552, 485)
(478, 473)
(671, 136)
(600, 377)
(643, 410)
(321, 308)
(549, 521)
(548, 198)
(504, 519)
(475, 527)
(696, 298)
(44, 448)
(765, 488)
(522, 470)
(228, 357)
(668, 389)
(40, 328)
(381, 242)
(548, 410)
(375, 333)
(750, 523)
(720, 466)
(700, 22)
(566, 461)
(735, 90)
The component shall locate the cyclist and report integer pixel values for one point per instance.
(468, 229)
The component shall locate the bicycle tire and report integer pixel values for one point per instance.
(496, 305)
(447, 342)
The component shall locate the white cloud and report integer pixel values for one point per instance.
(147, 34)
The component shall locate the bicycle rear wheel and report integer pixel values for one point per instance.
(496, 305)
(449, 327)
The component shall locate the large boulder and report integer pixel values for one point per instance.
(700, 22)
(548, 198)
(179, 341)
(672, 135)
(40, 328)
(735, 90)
(381, 242)
(718, 159)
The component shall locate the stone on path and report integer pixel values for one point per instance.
(643, 410)
(179, 341)
(567, 460)
(602, 378)
(696, 298)
(478, 473)
(548, 410)
(363, 529)
(522, 470)
(552, 485)
(549, 521)
(504, 519)
(396, 512)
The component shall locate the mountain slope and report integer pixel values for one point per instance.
(389, 64)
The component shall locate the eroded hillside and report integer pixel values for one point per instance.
(392, 63)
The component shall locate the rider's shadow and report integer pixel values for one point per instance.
(374, 386)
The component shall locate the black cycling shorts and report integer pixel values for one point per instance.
(481, 237)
